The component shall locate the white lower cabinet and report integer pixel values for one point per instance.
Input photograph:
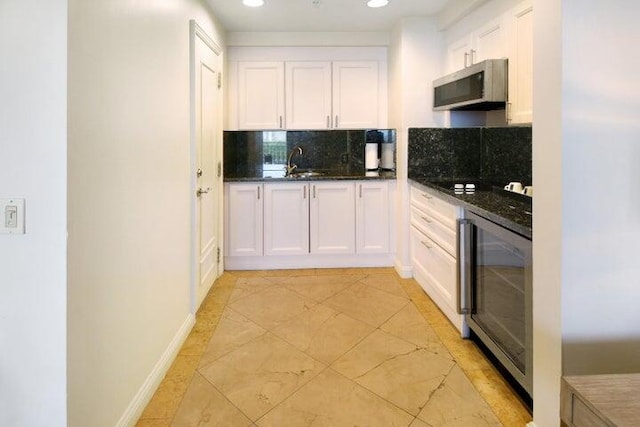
(331, 223)
(332, 218)
(244, 229)
(435, 265)
(286, 219)
(433, 251)
(373, 226)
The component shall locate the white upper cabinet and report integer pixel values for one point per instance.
(308, 94)
(356, 95)
(521, 64)
(487, 42)
(458, 54)
(508, 35)
(260, 95)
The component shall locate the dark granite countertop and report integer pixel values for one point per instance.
(326, 175)
(510, 211)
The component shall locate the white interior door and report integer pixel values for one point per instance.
(208, 180)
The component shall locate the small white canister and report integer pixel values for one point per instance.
(371, 156)
(387, 161)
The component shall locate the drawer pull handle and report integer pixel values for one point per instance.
(428, 197)
(426, 245)
(425, 219)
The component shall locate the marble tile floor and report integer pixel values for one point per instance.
(328, 347)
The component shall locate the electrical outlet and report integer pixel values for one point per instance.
(12, 211)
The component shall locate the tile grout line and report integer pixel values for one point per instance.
(458, 361)
(227, 288)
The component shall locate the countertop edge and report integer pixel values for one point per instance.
(313, 178)
(498, 219)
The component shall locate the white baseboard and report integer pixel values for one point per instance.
(531, 424)
(149, 387)
(308, 261)
(404, 271)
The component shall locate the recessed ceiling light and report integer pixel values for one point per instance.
(253, 3)
(377, 3)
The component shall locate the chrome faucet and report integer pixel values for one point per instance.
(292, 166)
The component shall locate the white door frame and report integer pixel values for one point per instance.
(196, 30)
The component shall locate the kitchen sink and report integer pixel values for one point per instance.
(305, 174)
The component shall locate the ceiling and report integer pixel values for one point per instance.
(320, 15)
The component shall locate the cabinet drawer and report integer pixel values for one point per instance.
(435, 264)
(428, 202)
(434, 229)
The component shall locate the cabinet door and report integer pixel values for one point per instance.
(372, 217)
(458, 54)
(332, 218)
(244, 219)
(436, 271)
(260, 95)
(521, 64)
(286, 219)
(308, 95)
(356, 95)
(489, 42)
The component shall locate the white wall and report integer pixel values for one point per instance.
(415, 60)
(601, 153)
(320, 39)
(547, 211)
(585, 170)
(33, 48)
(129, 198)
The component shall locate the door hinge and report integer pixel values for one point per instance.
(218, 255)
(219, 80)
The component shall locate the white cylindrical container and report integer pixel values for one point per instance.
(387, 162)
(371, 156)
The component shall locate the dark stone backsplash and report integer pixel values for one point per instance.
(492, 155)
(256, 153)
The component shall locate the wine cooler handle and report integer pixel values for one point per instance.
(465, 244)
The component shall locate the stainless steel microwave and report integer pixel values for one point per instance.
(479, 87)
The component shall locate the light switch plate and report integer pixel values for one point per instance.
(11, 216)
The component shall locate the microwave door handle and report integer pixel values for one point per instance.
(465, 244)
